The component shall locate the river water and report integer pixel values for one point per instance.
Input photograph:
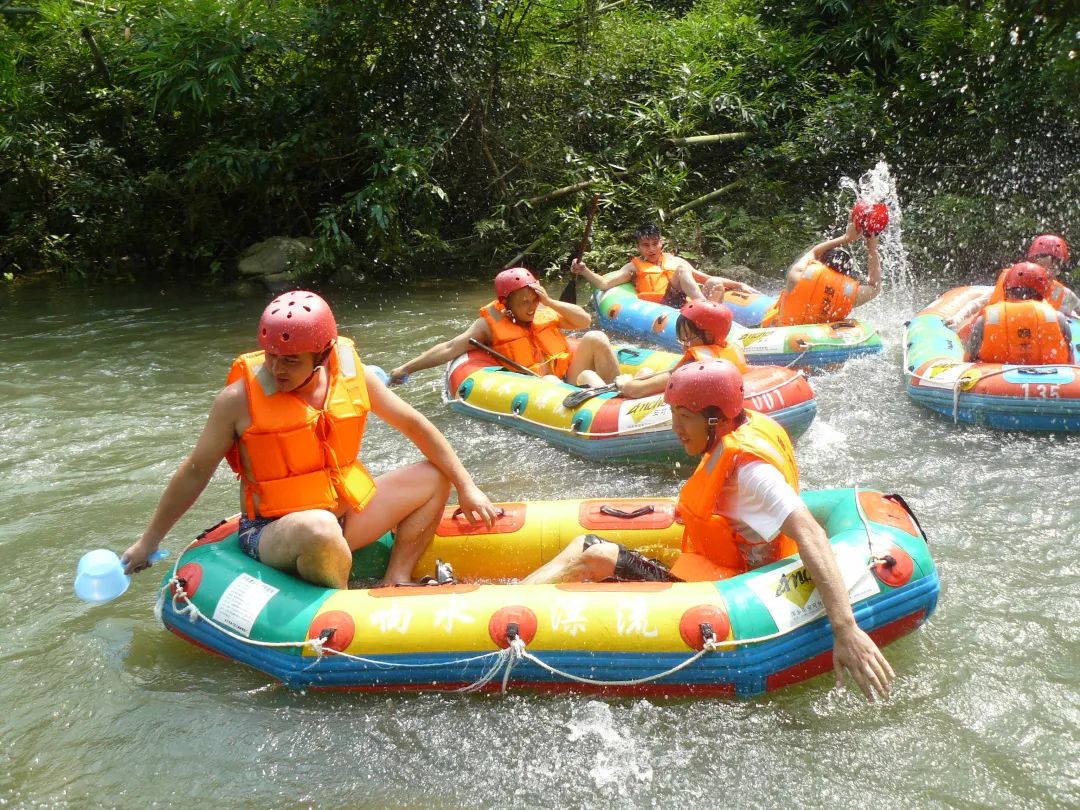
(103, 392)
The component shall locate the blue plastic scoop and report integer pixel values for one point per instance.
(100, 575)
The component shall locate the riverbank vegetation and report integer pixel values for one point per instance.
(140, 139)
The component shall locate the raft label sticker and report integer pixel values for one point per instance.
(750, 338)
(644, 412)
(242, 602)
(949, 375)
(792, 599)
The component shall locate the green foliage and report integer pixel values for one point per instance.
(409, 134)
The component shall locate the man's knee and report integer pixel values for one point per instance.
(312, 533)
(595, 338)
(597, 556)
(429, 479)
(323, 534)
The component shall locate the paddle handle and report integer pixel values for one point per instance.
(569, 293)
(512, 363)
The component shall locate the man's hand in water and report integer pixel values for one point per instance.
(397, 376)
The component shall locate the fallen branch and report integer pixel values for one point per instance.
(708, 198)
(99, 60)
(565, 191)
(703, 140)
(514, 262)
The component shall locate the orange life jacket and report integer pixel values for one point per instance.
(709, 534)
(998, 295)
(728, 351)
(302, 457)
(652, 280)
(821, 295)
(535, 346)
(1023, 333)
(1055, 298)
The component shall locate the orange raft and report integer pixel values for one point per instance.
(941, 377)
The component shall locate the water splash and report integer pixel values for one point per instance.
(878, 185)
(616, 761)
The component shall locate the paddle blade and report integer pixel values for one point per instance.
(569, 293)
(577, 398)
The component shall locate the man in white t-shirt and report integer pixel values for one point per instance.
(740, 510)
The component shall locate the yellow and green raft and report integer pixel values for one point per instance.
(609, 426)
(743, 636)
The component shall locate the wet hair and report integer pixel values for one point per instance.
(646, 230)
(686, 328)
(841, 261)
(1022, 294)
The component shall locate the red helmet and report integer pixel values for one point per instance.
(710, 316)
(296, 322)
(511, 280)
(870, 218)
(1027, 276)
(712, 383)
(1049, 245)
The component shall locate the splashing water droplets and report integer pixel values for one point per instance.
(878, 185)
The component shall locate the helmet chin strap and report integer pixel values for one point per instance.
(712, 422)
(315, 370)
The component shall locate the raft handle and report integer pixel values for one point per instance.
(900, 500)
(708, 635)
(512, 631)
(499, 512)
(1037, 372)
(612, 511)
(327, 634)
(205, 532)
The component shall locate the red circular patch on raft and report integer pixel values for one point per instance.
(340, 622)
(900, 572)
(502, 618)
(614, 311)
(691, 621)
(190, 576)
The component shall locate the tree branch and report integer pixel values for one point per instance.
(708, 198)
(703, 140)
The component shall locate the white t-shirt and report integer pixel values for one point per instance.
(756, 500)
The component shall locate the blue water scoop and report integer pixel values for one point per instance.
(100, 575)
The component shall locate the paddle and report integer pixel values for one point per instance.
(569, 293)
(576, 398)
(513, 364)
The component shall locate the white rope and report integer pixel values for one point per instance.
(709, 647)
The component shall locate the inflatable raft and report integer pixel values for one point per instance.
(812, 346)
(609, 426)
(939, 375)
(744, 636)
